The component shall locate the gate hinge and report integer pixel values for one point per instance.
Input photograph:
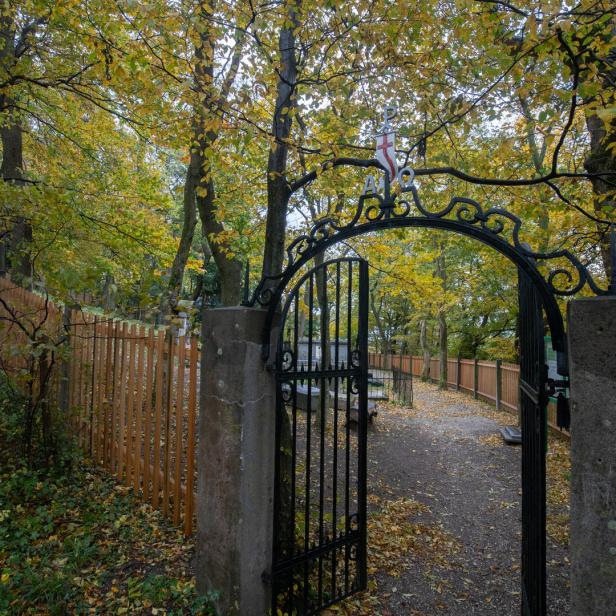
(266, 578)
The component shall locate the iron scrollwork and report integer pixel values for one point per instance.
(375, 211)
(288, 360)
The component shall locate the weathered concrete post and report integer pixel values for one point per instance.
(592, 365)
(235, 463)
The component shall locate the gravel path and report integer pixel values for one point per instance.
(445, 515)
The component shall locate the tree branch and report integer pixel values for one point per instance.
(546, 179)
(571, 116)
(507, 5)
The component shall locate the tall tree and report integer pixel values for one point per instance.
(278, 191)
(209, 113)
(15, 40)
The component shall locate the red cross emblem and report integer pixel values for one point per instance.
(386, 153)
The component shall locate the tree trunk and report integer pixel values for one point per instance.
(602, 155)
(442, 323)
(442, 348)
(602, 159)
(45, 363)
(11, 170)
(538, 153)
(278, 193)
(170, 298)
(384, 339)
(229, 267)
(109, 295)
(17, 244)
(200, 290)
(425, 350)
(206, 128)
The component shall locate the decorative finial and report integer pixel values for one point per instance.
(389, 113)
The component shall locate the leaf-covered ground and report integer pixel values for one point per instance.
(79, 543)
(444, 527)
(445, 517)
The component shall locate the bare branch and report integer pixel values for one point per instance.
(571, 116)
(452, 171)
(507, 5)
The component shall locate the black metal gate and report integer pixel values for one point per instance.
(533, 402)
(319, 552)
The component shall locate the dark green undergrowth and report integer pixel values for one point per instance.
(72, 541)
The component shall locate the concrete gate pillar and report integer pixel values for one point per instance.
(235, 463)
(592, 364)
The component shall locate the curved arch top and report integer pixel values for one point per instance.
(495, 227)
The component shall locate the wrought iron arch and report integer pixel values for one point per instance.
(495, 227)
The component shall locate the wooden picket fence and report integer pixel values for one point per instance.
(127, 391)
(493, 381)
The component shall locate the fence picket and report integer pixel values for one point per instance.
(92, 383)
(81, 380)
(117, 369)
(100, 375)
(147, 414)
(160, 350)
(139, 411)
(169, 399)
(179, 411)
(108, 412)
(121, 443)
(130, 392)
(72, 381)
(190, 449)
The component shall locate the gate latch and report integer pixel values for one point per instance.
(557, 388)
(554, 385)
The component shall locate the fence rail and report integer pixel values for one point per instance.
(128, 392)
(493, 381)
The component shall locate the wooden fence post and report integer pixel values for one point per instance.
(122, 400)
(499, 384)
(66, 364)
(93, 384)
(189, 508)
(476, 379)
(169, 364)
(458, 370)
(137, 466)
